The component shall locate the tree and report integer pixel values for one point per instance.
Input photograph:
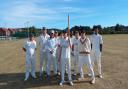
(118, 27)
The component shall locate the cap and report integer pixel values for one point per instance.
(52, 31)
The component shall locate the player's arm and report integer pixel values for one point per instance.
(89, 46)
(48, 47)
(60, 51)
(101, 47)
(101, 44)
(24, 47)
(35, 45)
(72, 47)
(91, 42)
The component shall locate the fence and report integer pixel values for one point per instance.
(7, 38)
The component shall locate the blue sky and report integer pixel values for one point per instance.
(53, 13)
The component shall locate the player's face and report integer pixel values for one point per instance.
(31, 38)
(96, 31)
(65, 35)
(56, 34)
(61, 35)
(52, 35)
(44, 31)
(83, 35)
(77, 35)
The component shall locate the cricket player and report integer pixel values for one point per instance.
(84, 48)
(43, 58)
(96, 46)
(59, 53)
(30, 49)
(57, 39)
(75, 51)
(65, 58)
(51, 47)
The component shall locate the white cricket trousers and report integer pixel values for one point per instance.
(43, 60)
(65, 62)
(51, 62)
(85, 59)
(76, 59)
(96, 57)
(30, 65)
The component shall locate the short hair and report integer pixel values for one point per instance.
(64, 31)
(76, 32)
(82, 32)
(94, 28)
(56, 32)
(44, 28)
(60, 33)
(31, 35)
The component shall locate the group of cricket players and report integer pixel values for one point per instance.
(59, 52)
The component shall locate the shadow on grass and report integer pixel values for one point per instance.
(16, 81)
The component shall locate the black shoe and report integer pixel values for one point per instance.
(41, 77)
(48, 77)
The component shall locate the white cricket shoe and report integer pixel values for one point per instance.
(71, 83)
(93, 81)
(100, 76)
(90, 75)
(81, 78)
(34, 76)
(26, 78)
(74, 74)
(61, 83)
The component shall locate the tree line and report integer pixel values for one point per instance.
(117, 29)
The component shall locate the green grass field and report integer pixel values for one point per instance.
(114, 66)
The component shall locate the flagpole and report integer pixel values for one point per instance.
(27, 23)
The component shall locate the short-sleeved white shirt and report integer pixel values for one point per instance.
(65, 45)
(75, 42)
(30, 47)
(42, 41)
(96, 40)
(51, 45)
